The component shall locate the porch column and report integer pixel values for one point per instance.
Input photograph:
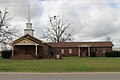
(12, 50)
(36, 50)
(89, 51)
(79, 50)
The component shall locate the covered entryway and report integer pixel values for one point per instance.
(84, 50)
(25, 52)
(27, 47)
(28, 51)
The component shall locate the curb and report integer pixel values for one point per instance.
(60, 73)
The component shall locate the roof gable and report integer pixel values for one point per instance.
(27, 40)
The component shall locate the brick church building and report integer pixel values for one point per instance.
(29, 47)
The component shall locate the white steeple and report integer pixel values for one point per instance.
(29, 29)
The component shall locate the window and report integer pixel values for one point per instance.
(62, 51)
(70, 51)
(96, 50)
(104, 50)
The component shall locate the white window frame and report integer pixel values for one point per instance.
(104, 50)
(70, 51)
(62, 51)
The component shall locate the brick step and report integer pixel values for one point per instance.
(26, 57)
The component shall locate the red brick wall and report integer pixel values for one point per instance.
(46, 51)
(99, 52)
(66, 51)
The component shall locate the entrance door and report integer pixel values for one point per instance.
(84, 52)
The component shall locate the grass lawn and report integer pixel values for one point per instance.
(68, 64)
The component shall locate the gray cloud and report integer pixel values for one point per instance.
(92, 19)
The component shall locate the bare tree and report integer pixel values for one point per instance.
(108, 38)
(7, 32)
(59, 30)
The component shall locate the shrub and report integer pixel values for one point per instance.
(113, 54)
(6, 54)
(93, 54)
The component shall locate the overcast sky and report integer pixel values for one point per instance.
(93, 20)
